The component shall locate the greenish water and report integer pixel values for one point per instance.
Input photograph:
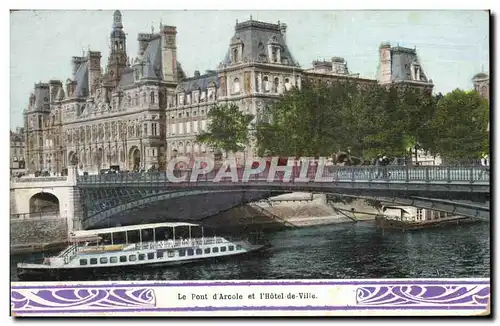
(345, 251)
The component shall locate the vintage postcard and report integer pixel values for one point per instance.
(249, 163)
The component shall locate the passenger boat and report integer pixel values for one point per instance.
(128, 247)
(412, 218)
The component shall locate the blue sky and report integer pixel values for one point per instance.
(452, 45)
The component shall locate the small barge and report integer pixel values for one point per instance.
(411, 218)
(129, 247)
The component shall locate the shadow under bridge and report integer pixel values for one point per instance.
(110, 207)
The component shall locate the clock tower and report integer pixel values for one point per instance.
(118, 56)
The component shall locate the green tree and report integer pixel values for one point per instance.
(460, 126)
(227, 128)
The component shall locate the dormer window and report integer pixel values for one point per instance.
(415, 71)
(234, 55)
(274, 58)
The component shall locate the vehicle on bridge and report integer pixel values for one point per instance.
(135, 246)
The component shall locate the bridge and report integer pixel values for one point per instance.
(458, 190)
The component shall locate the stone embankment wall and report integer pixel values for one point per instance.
(37, 234)
(292, 210)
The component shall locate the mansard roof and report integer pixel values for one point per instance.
(256, 36)
(202, 82)
(401, 62)
(152, 65)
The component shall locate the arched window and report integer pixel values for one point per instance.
(236, 86)
(276, 84)
(267, 87)
(152, 97)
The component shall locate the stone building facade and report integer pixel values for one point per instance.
(138, 113)
(481, 82)
(17, 147)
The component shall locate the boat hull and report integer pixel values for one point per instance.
(93, 273)
(390, 224)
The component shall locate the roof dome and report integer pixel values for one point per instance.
(480, 75)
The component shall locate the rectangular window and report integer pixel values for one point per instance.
(159, 254)
(199, 251)
(190, 252)
(171, 253)
(113, 260)
(132, 258)
(188, 127)
(93, 261)
(207, 250)
(154, 126)
(215, 250)
(222, 249)
(195, 126)
(142, 256)
(151, 255)
(231, 248)
(180, 128)
(145, 129)
(182, 253)
(103, 260)
(123, 259)
(83, 262)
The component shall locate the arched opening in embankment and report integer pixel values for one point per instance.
(44, 203)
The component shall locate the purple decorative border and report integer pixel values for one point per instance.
(373, 295)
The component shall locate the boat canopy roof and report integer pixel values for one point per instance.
(118, 229)
(405, 209)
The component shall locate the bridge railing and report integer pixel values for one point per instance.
(426, 174)
(40, 179)
(35, 216)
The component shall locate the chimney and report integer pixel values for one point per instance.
(385, 74)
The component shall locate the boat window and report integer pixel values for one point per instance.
(207, 250)
(159, 254)
(103, 260)
(222, 249)
(123, 259)
(231, 248)
(182, 253)
(142, 256)
(171, 253)
(190, 252)
(199, 251)
(83, 261)
(113, 260)
(238, 247)
(132, 258)
(93, 261)
(151, 255)
(215, 249)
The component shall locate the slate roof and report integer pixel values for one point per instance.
(82, 80)
(153, 65)
(201, 83)
(255, 36)
(401, 60)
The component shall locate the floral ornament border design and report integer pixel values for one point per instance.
(71, 298)
(432, 294)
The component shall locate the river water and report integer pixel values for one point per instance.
(346, 251)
